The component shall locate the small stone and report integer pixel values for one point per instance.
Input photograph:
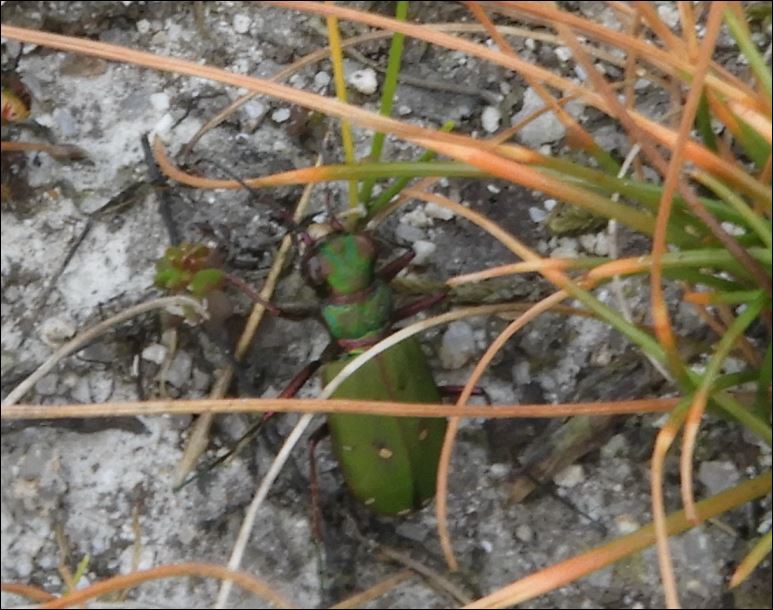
(201, 380)
(160, 101)
(416, 218)
(549, 204)
(364, 81)
(66, 122)
(563, 53)
(524, 533)
(521, 373)
(321, 80)
(486, 546)
(280, 115)
(143, 26)
(669, 14)
(616, 446)
(241, 24)
(412, 531)
(56, 331)
(409, 233)
(47, 385)
(404, 110)
(537, 215)
(497, 470)
(545, 128)
(626, 524)
(570, 476)
(155, 353)
(433, 210)
(255, 110)
(81, 392)
(164, 124)
(696, 587)
(718, 475)
(457, 346)
(100, 386)
(179, 371)
(490, 118)
(423, 250)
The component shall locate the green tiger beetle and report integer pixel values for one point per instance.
(389, 463)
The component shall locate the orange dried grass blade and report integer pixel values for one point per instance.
(313, 405)
(29, 591)
(117, 583)
(660, 316)
(687, 18)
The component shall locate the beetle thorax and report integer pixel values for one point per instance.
(346, 263)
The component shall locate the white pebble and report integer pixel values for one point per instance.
(160, 101)
(155, 353)
(280, 115)
(364, 81)
(563, 53)
(143, 26)
(56, 331)
(669, 14)
(424, 250)
(498, 470)
(490, 118)
(457, 346)
(524, 533)
(241, 24)
(321, 80)
(254, 109)
(718, 475)
(549, 204)
(626, 524)
(164, 124)
(570, 476)
(537, 214)
(416, 218)
(521, 372)
(433, 210)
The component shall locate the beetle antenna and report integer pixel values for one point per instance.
(334, 222)
(284, 215)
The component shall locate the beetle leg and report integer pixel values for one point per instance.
(456, 390)
(316, 511)
(390, 270)
(422, 304)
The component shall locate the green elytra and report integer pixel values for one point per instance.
(389, 463)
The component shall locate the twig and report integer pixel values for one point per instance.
(433, 577)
